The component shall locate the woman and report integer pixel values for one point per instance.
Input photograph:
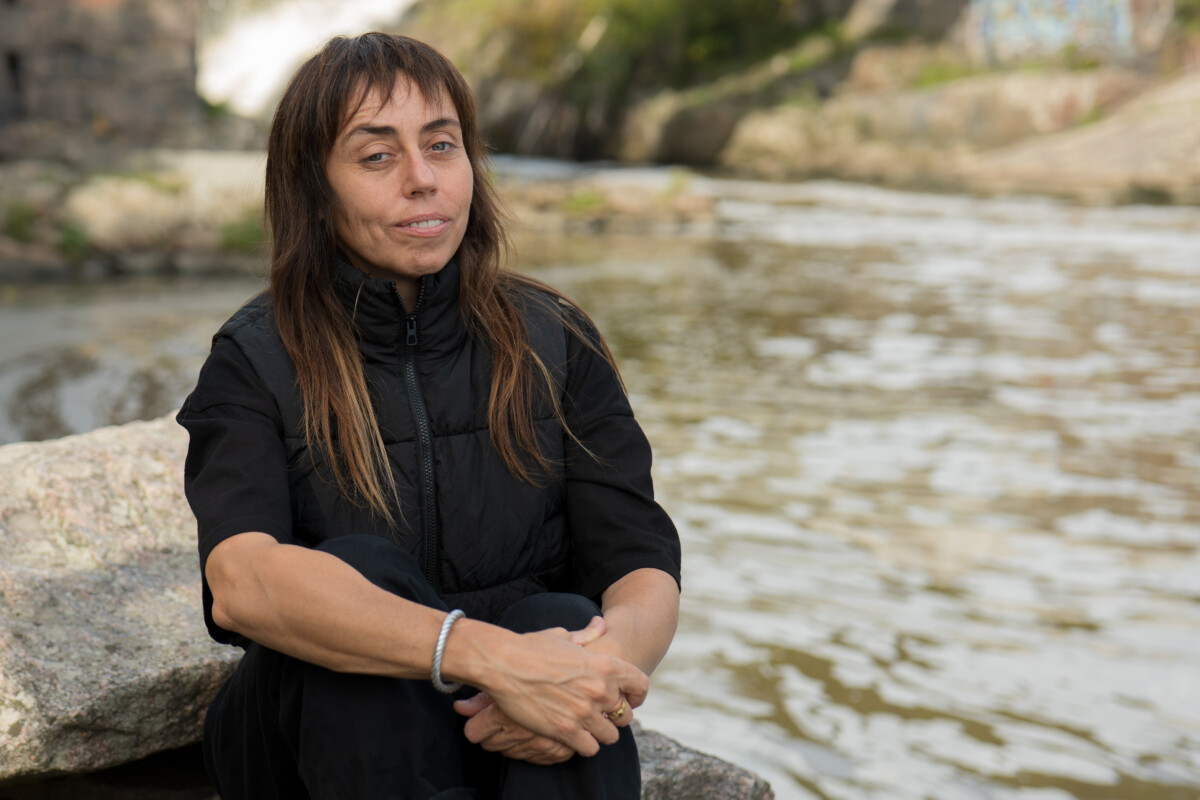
(398, 428)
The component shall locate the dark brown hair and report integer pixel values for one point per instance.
(316, 329)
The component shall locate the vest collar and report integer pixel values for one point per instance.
(376, 308)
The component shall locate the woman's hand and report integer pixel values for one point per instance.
(640, 614)
(494, 730)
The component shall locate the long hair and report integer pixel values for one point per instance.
(316, 330)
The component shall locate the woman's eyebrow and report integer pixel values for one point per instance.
(388, 130)
(441, 122)
(372, 130)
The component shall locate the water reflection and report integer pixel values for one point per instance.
(934, 460)
(104, 354)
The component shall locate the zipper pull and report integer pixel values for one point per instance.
(412, 330)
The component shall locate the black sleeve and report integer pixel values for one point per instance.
(616, 525)
(235, 476)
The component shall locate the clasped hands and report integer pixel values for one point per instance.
(571, 700)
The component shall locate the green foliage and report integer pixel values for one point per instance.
(890, 34)
(1187, 14)
(165, 182)
(1145, 195)
(1094, 114)
(19, 219)
(1074, 58)
(805, 97)
(681, 179)
(214, 111)
(73, 242)
(816, 48)
(243, 235)
(595, 59)
(584, 202)
(656, 43)
(939, 72)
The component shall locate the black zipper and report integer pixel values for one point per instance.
(416, 403)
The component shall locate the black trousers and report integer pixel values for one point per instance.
(285, 729)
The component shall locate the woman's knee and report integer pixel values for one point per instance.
(385, 564)
(549, 610)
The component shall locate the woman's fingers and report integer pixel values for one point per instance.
(594, 630)
(539, 750)
(473, 704)
(491, 729)
(621, 715)
(632, 683)
(554, 688)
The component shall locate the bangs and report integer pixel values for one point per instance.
(374, 63)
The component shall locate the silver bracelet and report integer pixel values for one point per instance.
(435, 672)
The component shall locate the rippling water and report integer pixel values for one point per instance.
(934, 461)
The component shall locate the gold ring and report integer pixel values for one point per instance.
(613, 716)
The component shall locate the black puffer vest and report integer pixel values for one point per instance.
(485, 537)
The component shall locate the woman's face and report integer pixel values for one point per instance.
(401, 172)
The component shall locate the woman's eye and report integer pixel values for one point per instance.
(375, 158)
(441, 147)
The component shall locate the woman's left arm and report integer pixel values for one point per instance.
(641, 611)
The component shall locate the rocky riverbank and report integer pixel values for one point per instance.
(1091, 134)
(199, 211)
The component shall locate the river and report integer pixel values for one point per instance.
(934, 462)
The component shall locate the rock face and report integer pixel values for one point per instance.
(928, 18)
(162, 211)
(117, 70)
(1148, 151)
(103, 658)
(671, 771)
(103, 654)
(181, 201)
(1101, 136)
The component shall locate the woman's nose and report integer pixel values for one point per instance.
(419, 178)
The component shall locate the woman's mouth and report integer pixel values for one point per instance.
(423, 224)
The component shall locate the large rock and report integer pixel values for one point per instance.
(103, 657)
(103, 654)
(168, 200)
(970, 114)
(1149, 150)
(78, 71)
(671, 771)
(159, 211)
(1098, 137)
(988, 110)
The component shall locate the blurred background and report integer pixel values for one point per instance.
(905, 292)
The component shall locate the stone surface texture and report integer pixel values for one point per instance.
(117, 70)
(1101, 136)
(173, 201)
(103, 656)
(1148, 149)
(671, 771)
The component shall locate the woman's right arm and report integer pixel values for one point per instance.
(313, 606)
